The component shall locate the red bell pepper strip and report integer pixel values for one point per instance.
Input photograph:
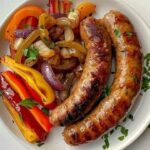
(14, 100)
(32, 21)
(36, 97)
(17, 84)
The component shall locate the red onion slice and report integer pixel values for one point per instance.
(50, 77)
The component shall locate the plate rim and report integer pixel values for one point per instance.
(134, 12)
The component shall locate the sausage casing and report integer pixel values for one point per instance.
(125, 86)
(93, 79)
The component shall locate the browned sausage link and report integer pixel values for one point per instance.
(125, 86)
(94, 77)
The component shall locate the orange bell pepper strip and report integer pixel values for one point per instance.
(33, 78)
(16, 83)
(85, 9)
(21, 14)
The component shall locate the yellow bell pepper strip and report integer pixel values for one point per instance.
(17, 85)
(27, 42)
(29, 135)
(44, 35)
(46, 21)
(21, 14)
(71, 44)
(33, 78)
(85, 9)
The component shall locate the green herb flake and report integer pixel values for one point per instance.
(121, 138)
(106, 141)
(117, 33)
(124, 131)
(45, 111)
(147, 56)
(71, 10)
(1, 93)
(112, 131)
(129, 34)
(28, 103)
(51, 45)
(105, 92)
(31, 53)
(146, 73)
(146, 83)
(131, 117)
(39, 143)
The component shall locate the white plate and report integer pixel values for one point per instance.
(140, 109)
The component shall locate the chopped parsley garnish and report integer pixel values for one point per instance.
(121, 138)
(105, 93)
(45, 111)
(146, 73)
(130, 116)
(117, 33)
(31, 53)
(28, 103)
(123, 131)
(1, 92)
(106, 141)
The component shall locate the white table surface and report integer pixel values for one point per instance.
(7, 142)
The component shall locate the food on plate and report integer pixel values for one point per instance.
(93, 79)
(32, 122)
(60, 61)
(125, 86)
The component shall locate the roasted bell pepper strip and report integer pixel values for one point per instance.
(27, 42)
(24, 119)
(19, 16)
(35, 96)
(29, 135)
(85, 9)
(71, 44)
(46, 21)
(67, 6)
(17, 84)
(31, 21)
(52, 6)
(33, 78)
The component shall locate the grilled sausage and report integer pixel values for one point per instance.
(93, 79)
(125, 86)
